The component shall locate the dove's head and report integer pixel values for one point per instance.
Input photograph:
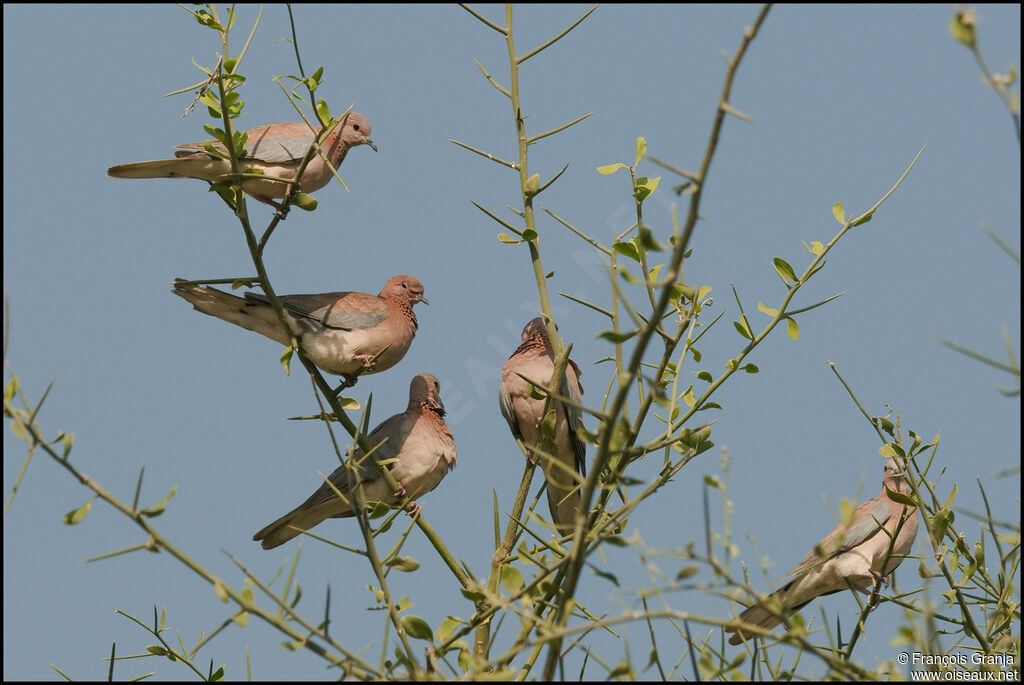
(404, 288)
(356, 131)
(535, 328)
(425, 391)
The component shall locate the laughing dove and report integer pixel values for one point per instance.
(850, 556)
(535, 360)
(341, 332)
(276, 149)
(421, 452)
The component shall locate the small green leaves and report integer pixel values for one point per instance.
(206, 19)
(792, 329)
(158, 508)
(512, 580)
(74, 517)
(784, 270)
(644, 187)
(838, 213)
(761, 307)
(614, 337)
(11, 389)
(686, 572)
(305, 202)
(816, 248)
(961, 26)
(416, 627)
(286, 359)
(222, 592)
(611, 168)
(447, 627)
(532, 186)
(322, 110)
(404, 564)
(627, 249)
(67, 440)
(641, 149)
(547, 426)
(864, 219)
(507, 239)
(743, 329)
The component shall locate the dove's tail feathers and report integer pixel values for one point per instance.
(757, 615)
(258, 318)
(197, 166)
(563, 506)
(282, 530)
(288, 526)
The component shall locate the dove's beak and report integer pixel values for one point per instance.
(367, 141)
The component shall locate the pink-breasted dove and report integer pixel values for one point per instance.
(535, 360)
(421, 452)
(341, 332)
(276, 149)
(850, 556)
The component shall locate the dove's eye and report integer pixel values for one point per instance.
(355, 126)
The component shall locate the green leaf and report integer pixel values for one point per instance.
(473, 595)
(512, 580)
(74, 517)
(157, 650)
(447, 627)
(416, 627)
(11, 389)
(221, 591)
(751, 368)
(68, 439)
(321, 105)
(686, 572)
(864, 219)
(767, 310)
(900, 498)
(606, 575)
(304, 202)
(706, 376)
(317, 75)
(641, 149)
(815, 248)
(529, 234)
(216, 133)
(610, 168)
(158, 508)
(644, 187)
(742, 329)
(348, 403)
(838, 213)
(792, 329)
(615, 540)
(784, 269)
(951, 498)
(532, 185)
(286, 359)
(961, 27)
(507, 239)
(404, 564)
(887, 450)
(627, 249)
(614, 337)
(547, 426)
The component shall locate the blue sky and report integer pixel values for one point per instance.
(842, 97)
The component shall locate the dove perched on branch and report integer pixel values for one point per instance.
(340, 332)
(852, 555)
(417, 443)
